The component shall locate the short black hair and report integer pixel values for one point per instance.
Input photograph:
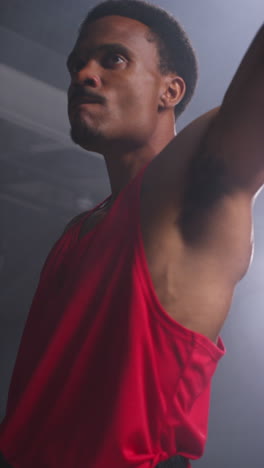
(175, 50)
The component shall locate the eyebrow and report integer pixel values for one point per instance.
(114, 47)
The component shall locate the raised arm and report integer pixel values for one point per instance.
(237, 133)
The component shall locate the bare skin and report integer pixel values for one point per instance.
(198, 189)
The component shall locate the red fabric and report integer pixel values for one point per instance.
(104, 376)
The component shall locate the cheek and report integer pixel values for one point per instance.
(137, 104)
(134, 104)
(129, 100)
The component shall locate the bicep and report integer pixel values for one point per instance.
(237, 133)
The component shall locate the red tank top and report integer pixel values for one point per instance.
(104, 376)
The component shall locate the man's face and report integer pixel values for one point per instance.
(115, 84)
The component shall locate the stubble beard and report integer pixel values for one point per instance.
(86, 136)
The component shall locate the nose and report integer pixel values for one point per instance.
(87, 74)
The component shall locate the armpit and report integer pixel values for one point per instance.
(207, 181)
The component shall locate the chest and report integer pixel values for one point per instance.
(191, 284)
(194, 283)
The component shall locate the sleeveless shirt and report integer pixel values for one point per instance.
(104, 375)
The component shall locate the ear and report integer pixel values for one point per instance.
(173, 92)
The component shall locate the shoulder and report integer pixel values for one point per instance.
(75, 220)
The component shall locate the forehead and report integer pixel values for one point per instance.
(126, 31)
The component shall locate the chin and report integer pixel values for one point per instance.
(86, 137)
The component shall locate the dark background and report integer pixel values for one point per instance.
(45, 180)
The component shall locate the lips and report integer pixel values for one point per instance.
(75, 102)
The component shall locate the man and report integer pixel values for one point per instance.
(121, 343)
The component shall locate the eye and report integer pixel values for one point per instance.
(112, 60)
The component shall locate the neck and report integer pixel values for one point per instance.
(124, 164)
